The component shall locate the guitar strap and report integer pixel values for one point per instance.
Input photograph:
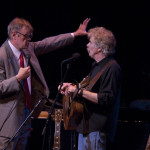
(97, 76)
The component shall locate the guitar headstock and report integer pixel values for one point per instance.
(58, 115)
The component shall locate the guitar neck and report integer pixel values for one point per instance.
(58, 118)
(57, 137)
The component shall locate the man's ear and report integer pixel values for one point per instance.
(99, 49)
(13, 34)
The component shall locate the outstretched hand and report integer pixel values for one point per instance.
(82, 28)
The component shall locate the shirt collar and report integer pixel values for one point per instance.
(103, 61)
(15, 50)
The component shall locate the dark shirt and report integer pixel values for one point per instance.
(103, 116)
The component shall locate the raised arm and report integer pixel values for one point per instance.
(82, 28)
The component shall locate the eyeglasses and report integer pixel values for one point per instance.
(27, 36)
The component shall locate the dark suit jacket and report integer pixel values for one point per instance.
(12, 99)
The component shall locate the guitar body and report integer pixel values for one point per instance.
(72, 113)
(73, 109)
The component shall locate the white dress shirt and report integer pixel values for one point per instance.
(17, 55)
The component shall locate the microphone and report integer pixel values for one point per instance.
(28, 59)
(72, 58)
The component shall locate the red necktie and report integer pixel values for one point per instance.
(26, 88)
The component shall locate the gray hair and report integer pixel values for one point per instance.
(17, 24)
(104, 39)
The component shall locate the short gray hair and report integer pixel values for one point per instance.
(17, 24)
(104, 39)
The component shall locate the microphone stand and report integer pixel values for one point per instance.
(24, 121)
(52, 107)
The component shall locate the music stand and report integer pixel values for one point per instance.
(14, 136)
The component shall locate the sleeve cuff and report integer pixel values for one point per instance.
(72, 34)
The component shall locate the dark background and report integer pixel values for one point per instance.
(129, 21)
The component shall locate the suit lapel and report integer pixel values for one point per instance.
(36, 66)
(11, 58)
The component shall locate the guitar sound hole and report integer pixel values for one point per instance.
(68, 112)
(67, 108)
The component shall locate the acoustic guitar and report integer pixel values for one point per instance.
(73, 108)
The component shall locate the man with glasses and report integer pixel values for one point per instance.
(26, 35)
(21, 88)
